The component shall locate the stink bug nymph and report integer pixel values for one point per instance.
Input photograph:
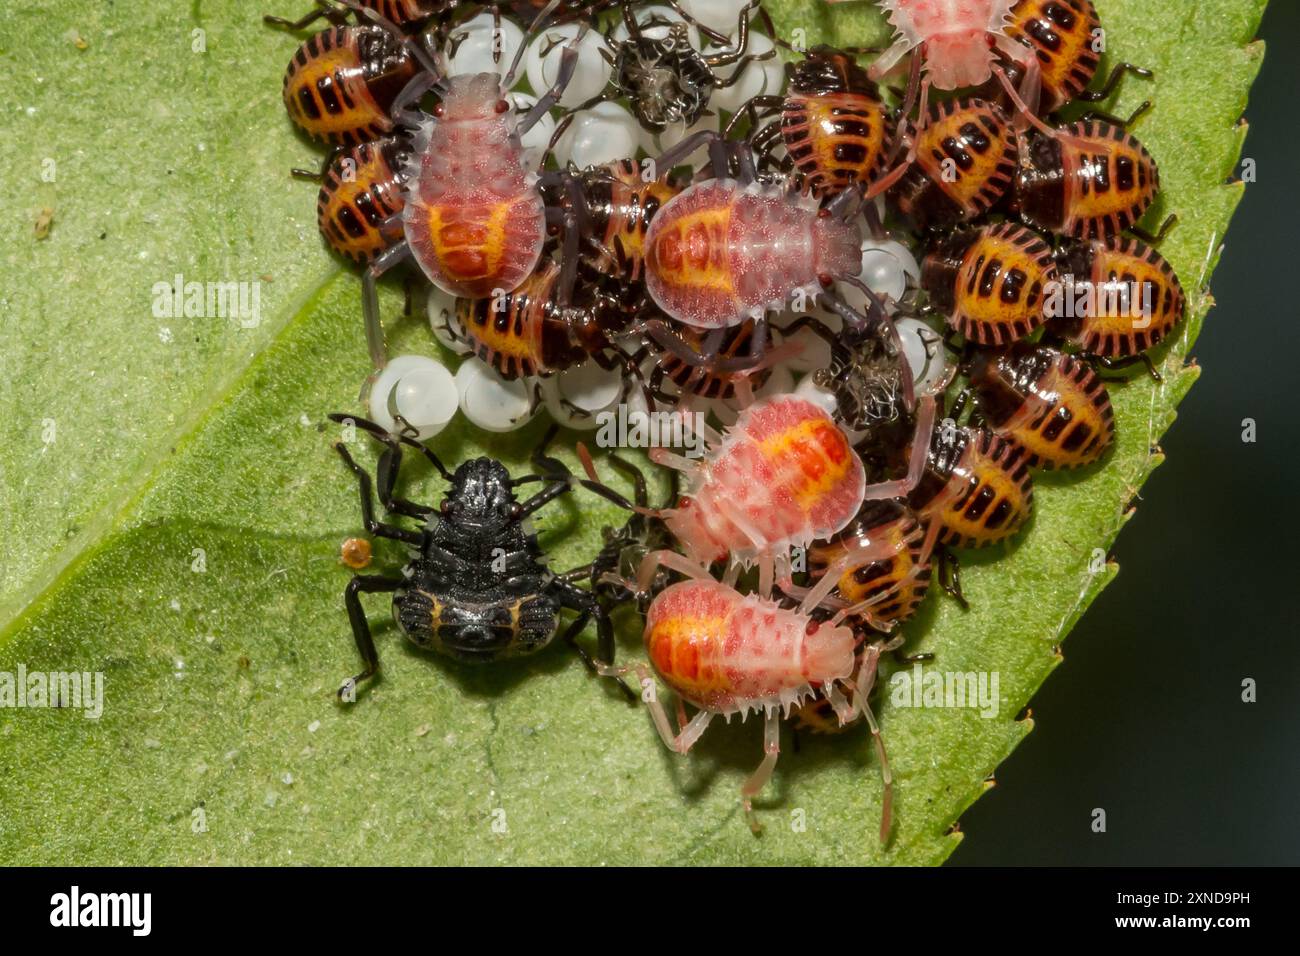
(1052, 404)
(991, 283)
(1095, 181)
(342, 83)
(965, 161)
(477, 588)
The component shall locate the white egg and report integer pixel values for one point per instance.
(590, 76)
(899, 251)
(758, 77)
(587, 390)
(418, 389)
(926, 355)
(636, 401)
(646, 14)
(536, 139)
(590, 387)
(490, 401)
(446, 327)
(886, 266)
(719, 15)
(483, 50)
(657, 144)
(602, 134)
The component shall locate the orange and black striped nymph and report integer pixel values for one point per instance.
(408, 13)
(620, 205)
(976, 489)
(833, 124)
(704, 380)
(341, 83)
(1062, 34)
(965, 162)
(991, 283)
(898, 583)
(526, 332)
(1094, 180)
(1135, 297)
(360, 196)
(1052, 404)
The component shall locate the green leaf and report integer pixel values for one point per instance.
(131, 441)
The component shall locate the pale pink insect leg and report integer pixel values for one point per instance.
(867, 680)
(690, 734)
(858, 554)
(758, 780)
(661, 456)
(645, 572)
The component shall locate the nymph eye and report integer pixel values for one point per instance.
(515, 510)
(438, 111)
(501, 106)
(446, 506)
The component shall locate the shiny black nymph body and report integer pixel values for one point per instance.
(477, 587)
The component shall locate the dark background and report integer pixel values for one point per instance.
(1144, 718)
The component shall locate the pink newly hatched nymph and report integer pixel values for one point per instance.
(956, 37)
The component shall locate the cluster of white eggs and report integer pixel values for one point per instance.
(607, 131)
(424, 394)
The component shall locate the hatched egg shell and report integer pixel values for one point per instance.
(538, 137)
(926, 355)
(602, 134)
(590, 75)
(721, 16)
(764, 77)
(591, 391)
(446, 326)
(483, 50)
(417, 388)
(655, 144)
(885, 268)
(591, 387)
(490, 401)
(657, 12)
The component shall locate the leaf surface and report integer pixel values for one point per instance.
(133, 442)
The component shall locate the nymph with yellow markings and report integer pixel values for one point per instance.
(965, 162)
(991, 284)
(1131, 300)
(1095, 181)
(474, 219)
(730, 249)
(728, 653)
(1054, 405)
(784, 475)
(341, 84)
(976, 489)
